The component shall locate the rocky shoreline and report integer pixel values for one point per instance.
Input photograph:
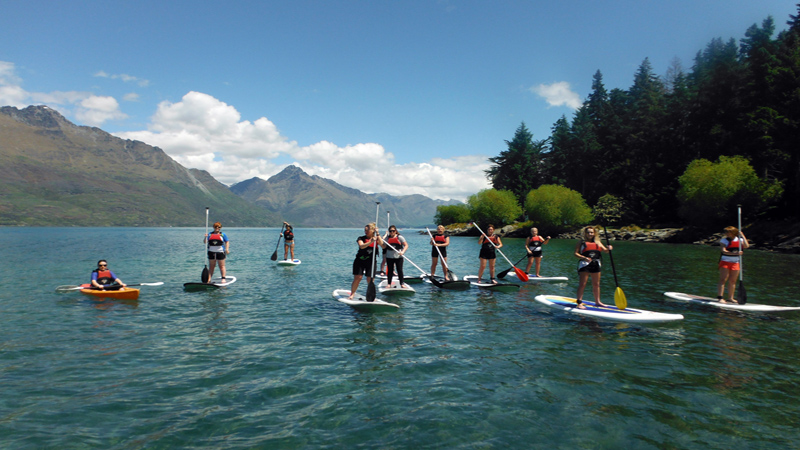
(781, 237)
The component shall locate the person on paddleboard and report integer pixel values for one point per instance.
(589, 252)
(533, 245)
(440, 240)
(102, 277)
(732, 246)
(364, 263)
(394, 256)
(218, 248)
(288, 240)
(488, 253)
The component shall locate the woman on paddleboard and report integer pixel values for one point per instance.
(364, 261)
(488, 253)
(396, 246)
(102, 277)
(288, 240)
(533, 245)
(440, 241)
(589, 251)
(732, 246)
(218, 248)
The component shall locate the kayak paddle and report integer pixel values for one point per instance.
(741, 293)
(619, 297)
(520, 274)
(505, 272)
(204, 274)
(77, 288)
(371, 285)
(274, 256)
(450, 273)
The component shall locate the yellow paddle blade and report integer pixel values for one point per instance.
(619, 299)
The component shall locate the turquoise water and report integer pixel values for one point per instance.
(274, 362)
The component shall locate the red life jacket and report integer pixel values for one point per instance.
(215, 239)
(591, 250)
(439, 238)
(395, 242)
(104, 276)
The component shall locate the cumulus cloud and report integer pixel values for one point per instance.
(558, 94)
(203, 132)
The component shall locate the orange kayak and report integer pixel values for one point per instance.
(125, 293)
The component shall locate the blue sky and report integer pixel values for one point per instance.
(404, 97)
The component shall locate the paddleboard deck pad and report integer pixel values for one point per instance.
(534, 278)
(213, 284)
(752, 307)
(610, 312)
(360, 303)
(395, 288)
(408, 280)
(289, 262)
(499, 286)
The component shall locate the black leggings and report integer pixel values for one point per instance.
(391, 264)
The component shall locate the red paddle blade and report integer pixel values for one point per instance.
(520, 274)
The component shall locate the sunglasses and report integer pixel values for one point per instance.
(102, 265)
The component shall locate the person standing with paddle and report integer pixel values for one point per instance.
(394, 256)
(533, 245)
(102, 277)
(732, 246)
(288, 240)
(218, 249)
(589, 252)
(489, 242)
(364, 262)
(439, 243)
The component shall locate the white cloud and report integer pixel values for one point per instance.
(203, 132)
(558, 94)
(95, 110)
(124, 77)
(131, 97)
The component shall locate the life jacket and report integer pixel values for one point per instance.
(215, 239)
(104, 276)
(488, 245)
(439, 238)
(591, 250)
(365, 253)
(395, 242)
(288, 235)
(535, 243)
(732, 245)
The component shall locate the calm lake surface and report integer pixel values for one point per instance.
(273, 361)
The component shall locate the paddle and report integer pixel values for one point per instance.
(619, 296)
(371, 285)
(505, 272)
(520, 274)
(204, 274)
(446, 285)
(274, 256)
(741, 293)
(450, 273)
(77, 288)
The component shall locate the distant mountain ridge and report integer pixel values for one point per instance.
(312, 201)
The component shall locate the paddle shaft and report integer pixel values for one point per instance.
(611, 256)
(371, 286)
(204, 274)
(741, 247)
(505, 272)
(274, 256)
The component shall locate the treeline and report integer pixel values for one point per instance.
(665, 141)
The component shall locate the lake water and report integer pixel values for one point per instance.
(273, 361)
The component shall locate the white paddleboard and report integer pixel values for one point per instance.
(752, 307)
(610, 312)
(360, 303)
(395, 288)
(513, 274)
(289, 262)
(408, 280)
(487, 284)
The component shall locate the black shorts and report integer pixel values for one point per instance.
(537, 254)
(435, 254)
(219, 256)
(488, 254)
(362, 267)
(592, 267)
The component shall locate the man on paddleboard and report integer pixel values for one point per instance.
(218, 249)
(102, 277)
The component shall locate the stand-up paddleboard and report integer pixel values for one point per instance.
(215, 283)
(360, 303)
(289, 262)
(395, 288)
(534, 278)
(610, 312)
(408, 280)
(125, 293)
(487, 284)
(734, 306)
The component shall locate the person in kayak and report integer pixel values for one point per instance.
(365, 263)
(533, 245)
(288, 240)
(103, 278)
(488, 253)
(218, 248)
(395, 246)
(589, 251)
(732, 246)
(440, 240)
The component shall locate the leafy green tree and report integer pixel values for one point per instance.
(449, 214)
(498, 207)
(557, 208)
(709, 192)
(609, 209)
(519, 168)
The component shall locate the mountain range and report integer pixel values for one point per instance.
(56, 173)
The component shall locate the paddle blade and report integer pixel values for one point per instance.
(741, 294)
(274, 256)
(520, 274)
(451, 275)
(204, 275)
(435, 282)
(619, 299)
(504, 273)
(62, 289)
(371, 291)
